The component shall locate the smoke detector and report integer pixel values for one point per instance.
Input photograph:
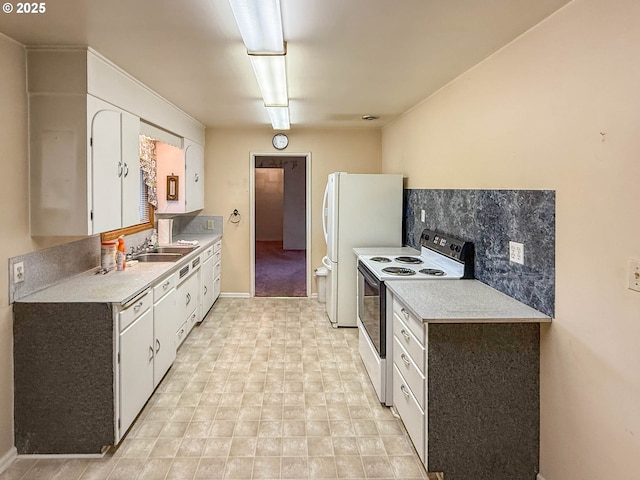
(370, 117)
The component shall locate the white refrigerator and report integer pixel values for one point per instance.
(359, 210)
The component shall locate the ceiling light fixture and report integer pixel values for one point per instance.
(271, 74)
(370, 117)
(279, 117)
(260, 25)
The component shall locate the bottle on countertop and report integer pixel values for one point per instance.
(154, 238)
(121, 255)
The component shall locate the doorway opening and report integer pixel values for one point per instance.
(280, 226)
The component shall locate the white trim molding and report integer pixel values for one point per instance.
(539, 477)
(8, 458)
(235, 295)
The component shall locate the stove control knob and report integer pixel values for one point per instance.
(452, 246)
(458, 248)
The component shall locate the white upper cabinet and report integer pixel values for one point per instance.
(194, 175)
(187, 164)
(115, 167)
(84, 125)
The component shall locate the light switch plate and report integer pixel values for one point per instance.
(422, 215)
(209, 224)
(516, 252)
(634, 275)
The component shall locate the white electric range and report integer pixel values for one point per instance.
(441, 257)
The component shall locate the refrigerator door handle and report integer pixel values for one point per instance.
(325, 208)
(326, 262)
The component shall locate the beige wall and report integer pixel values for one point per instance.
(14, 217)
(559, 109)
(227, 170)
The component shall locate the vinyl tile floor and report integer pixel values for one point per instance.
(263, 388)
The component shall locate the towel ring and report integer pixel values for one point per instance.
(235, 216)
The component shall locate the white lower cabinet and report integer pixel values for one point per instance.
(409, 374)
(164, 314)
(217, 268)
(135, 362)
(188, 299)
(206, 277)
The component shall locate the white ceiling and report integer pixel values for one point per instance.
(345, 58)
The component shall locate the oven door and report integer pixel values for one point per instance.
(372, 308)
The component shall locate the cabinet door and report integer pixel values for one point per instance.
(107, 170)
(130, 134)
(188, 297)
(207, 286)
(136, 368)
(194, 171)
(164, 314)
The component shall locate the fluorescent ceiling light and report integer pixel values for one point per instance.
(260, 24)
(271, 73)
(279, 117)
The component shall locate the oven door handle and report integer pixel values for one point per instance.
(326, 262)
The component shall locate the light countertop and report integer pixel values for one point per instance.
(115, 286)
(461, 301)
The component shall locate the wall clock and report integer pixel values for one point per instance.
(280, 141)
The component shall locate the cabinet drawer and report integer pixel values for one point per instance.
(207, 253)
(410, 412)
(217, 246)
(415, 325)
(405, 365)
(136, 308)
(181, 334)
(216, 288)
(405, 336)
(164, 287)
(217, 256)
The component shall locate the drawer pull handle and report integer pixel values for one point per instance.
(205, 289)
(150, 353)
(405, 313)
(404, 390)
(404, 358)
(405, 334)
(137, 306)
(166, 284)
(157, 345)
(188, 298)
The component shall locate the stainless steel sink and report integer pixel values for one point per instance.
(158, 257)
(180, 249)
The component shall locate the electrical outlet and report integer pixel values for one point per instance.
(634, 275)
(18, 272)
(516, 252)
(209, 224)
(422, 215)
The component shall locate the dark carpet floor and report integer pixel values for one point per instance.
(280, 273)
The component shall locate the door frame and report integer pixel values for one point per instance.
(252, 215)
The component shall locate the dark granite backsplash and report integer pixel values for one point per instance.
(490, 219)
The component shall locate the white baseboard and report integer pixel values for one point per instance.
(8, 458)
(539, 477)
(235, 295)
